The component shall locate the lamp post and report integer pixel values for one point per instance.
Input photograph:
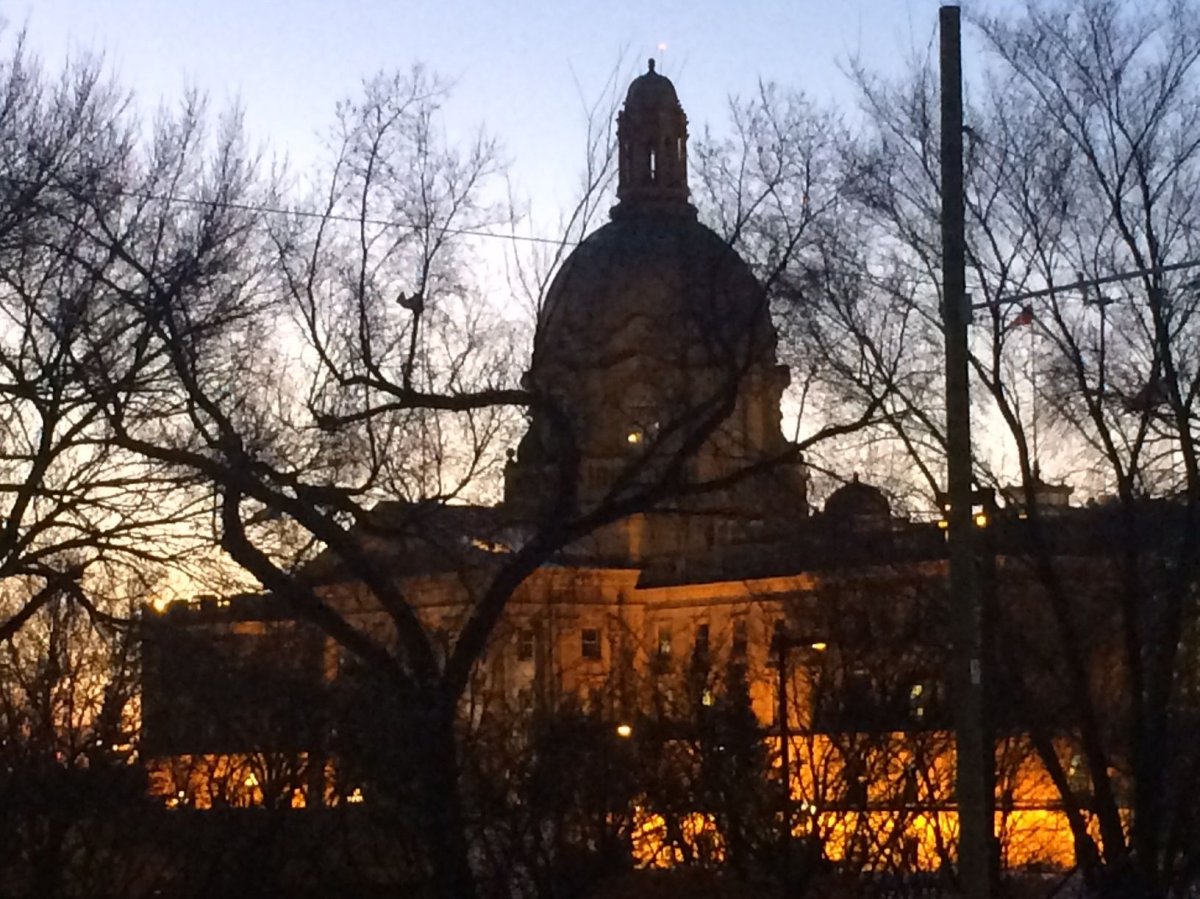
(611, 822)
(781, 647)
(782, 644)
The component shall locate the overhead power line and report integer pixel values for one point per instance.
(309, 214)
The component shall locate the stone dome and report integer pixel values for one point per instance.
(857, 501)
(651, 325)
(657, 284)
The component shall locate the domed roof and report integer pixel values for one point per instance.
(652, 325)
(651, 91)
(857, 500)
(653, 283)
(660, 283)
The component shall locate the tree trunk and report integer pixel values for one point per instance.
(442, 817)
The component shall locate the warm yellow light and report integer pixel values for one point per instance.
(624, 731)
(634, 437)
(820, 646)
(981, 520)
(355, 797)
(251, 780)
(943, 523)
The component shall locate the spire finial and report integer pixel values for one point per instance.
(650, 63)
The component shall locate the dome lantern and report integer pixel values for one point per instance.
(652, 148)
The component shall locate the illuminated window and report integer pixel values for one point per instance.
(707, 698)
(525, 645)
(916, 701)
(591, 643)
(664, 642)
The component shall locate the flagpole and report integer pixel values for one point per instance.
(1033, 398)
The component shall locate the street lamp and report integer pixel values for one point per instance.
(781, 644)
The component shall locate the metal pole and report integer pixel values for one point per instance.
(975, 824)
(785, 773)
(1033, 401)
(1103, 322)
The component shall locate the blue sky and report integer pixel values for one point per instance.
(519, 67)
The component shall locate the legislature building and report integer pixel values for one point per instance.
(693, 551)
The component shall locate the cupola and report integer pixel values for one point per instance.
(652, 147)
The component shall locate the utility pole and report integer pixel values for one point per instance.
(974, 805)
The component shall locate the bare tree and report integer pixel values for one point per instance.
(73, 502)
(1081, 166)
(170, 355)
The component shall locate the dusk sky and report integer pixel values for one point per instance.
(519, 68)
